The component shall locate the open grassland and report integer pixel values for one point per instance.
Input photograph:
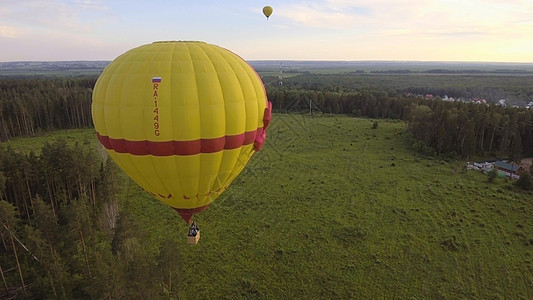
(331, 208)
(71, 136)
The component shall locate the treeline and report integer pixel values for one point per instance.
(516, 90)
(440, 127)
(64, 236)
(28, 106)
(471, 129)
(451, 71)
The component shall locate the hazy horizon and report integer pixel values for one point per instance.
(306, 60)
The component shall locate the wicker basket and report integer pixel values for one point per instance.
(194, 239)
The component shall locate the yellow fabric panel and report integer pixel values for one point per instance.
(227, 164)
(209, 94)
(245, 154)
(205, 93)
(128, 164)
(186, 113)
(189, 176)
(231, 92)
(250, 84)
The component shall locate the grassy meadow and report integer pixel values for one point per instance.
(71, 136)
(331, 208)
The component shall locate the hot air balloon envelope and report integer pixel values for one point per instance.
(182, 119)
(267, 11)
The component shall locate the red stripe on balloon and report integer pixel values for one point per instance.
(168, 148)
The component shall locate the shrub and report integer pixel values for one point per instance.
(493, 173)
(525, 181)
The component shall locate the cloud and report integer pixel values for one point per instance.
(418, 19)
(91, 4)
(7, 31)
(58, 28)
(80, 16)
(332, 14)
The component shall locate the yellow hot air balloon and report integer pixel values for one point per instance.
(267, 11)
(182, 119)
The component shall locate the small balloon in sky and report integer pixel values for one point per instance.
(267, 11)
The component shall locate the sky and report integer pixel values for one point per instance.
(353, 30)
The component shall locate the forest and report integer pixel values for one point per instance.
(440, 128)
(66, 235)
(515, 89)
(62, 234)
(29, 106)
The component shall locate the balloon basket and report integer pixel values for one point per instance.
(194, 239)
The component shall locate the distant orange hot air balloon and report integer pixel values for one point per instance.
(182, 119)
(267, 11)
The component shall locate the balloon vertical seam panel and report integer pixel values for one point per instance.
(137, 68)
(213, 172)
(234, 157)
(189, 124)
(156, 69)
(202, 77)
(233, 101)
(244, 82)
(242, 71)
(174, 108)
(231, 60)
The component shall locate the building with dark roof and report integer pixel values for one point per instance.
(509, 169)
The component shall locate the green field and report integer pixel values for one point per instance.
(71, 136)
(331, 208)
